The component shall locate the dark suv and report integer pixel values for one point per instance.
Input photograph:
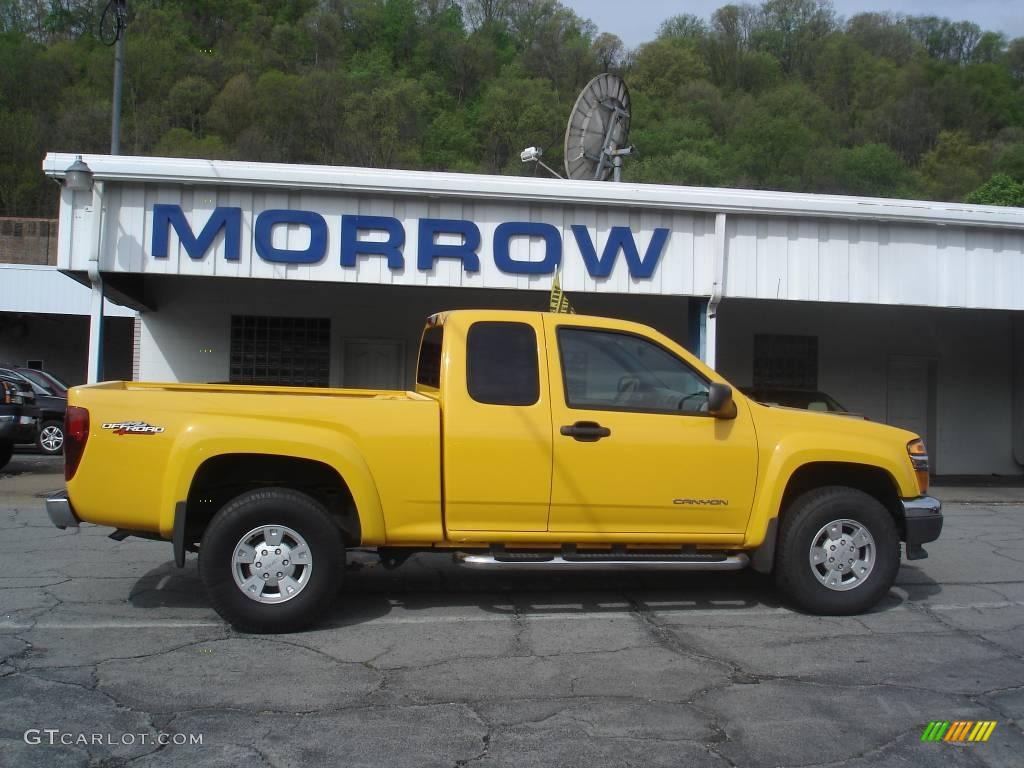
(52, 397)
(51, 403)
(19, 417)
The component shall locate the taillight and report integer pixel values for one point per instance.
(76, 434)
(919, 460)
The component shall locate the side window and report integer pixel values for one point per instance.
(428, 370)
(618, 371)
(501, 364)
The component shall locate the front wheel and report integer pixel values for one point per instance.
(271, 561)
(838, 551)
(51, 438)
(6, 451)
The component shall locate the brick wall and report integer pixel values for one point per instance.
(28, 241)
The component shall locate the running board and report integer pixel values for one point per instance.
(536, 562)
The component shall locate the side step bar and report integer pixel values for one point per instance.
(535, 562)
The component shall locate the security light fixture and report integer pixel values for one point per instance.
(532, 155)
(78, 176)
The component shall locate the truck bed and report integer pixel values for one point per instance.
(147, 441)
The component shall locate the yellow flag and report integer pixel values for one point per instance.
(559, 301)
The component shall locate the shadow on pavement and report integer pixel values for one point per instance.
(430, 582)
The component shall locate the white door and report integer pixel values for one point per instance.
(908, 392)
(373, 364)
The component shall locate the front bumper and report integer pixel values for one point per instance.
(61, 513)
(922, 522)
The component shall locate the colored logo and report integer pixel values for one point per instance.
(959, 730)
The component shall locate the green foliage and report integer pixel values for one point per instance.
(871, 170)
(954, 167)
(999, 190)
(771, 94)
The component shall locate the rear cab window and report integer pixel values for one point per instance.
(502, 366)
(428, 368)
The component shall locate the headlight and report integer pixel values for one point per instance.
(919, 461)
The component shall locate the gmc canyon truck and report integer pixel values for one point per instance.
(532, 440)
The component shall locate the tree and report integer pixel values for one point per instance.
(515, 112)
(872, 170)
(954, 167)
(882, 35)
(608, 51)
(663, 66)
(999, 190)
(791, 30)
(1015, 59)
(685, 26)
(776, 136)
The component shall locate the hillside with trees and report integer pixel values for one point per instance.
(784, 94)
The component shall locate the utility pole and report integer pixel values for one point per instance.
(113, 23)
(120, 11)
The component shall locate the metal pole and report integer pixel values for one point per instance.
(95, 367)
(717, 286)
(115, 120)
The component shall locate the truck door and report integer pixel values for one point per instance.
(634, 449)
(496, 424)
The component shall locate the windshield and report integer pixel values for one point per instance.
(48, 382)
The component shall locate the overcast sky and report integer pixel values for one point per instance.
(636, 21)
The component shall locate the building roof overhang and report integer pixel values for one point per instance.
(463, 186)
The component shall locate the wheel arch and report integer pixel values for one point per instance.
(873, 480)
(225, 476)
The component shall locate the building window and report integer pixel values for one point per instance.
(785, 362)
(286, 351)
(501, 364)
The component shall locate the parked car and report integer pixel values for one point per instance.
(46, 379)
(49, 436)
(19, 419)
(805, 399)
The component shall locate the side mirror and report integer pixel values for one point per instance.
(720, 402)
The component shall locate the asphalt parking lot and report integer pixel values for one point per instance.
(432, 665)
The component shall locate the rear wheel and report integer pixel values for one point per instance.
(6, 451)
(271, 561)
(51, 438)
(838, 551)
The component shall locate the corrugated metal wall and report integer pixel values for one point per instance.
(767, 257)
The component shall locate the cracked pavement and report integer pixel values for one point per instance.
(432, 665)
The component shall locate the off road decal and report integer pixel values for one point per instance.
(132, 428)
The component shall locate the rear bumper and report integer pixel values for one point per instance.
(18, 428)
(61, 513)
(922, 521)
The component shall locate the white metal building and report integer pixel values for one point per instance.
(908, 312)
(44, 323)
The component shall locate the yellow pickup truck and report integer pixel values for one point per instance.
(532, 440)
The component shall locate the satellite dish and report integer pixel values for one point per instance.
(598, 131)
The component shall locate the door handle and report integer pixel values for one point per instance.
(585, 431)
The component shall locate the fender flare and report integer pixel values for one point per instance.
(341, 455)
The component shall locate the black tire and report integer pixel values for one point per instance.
(6, 451)
(271, 507)
(802, 523)
(51, 433)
